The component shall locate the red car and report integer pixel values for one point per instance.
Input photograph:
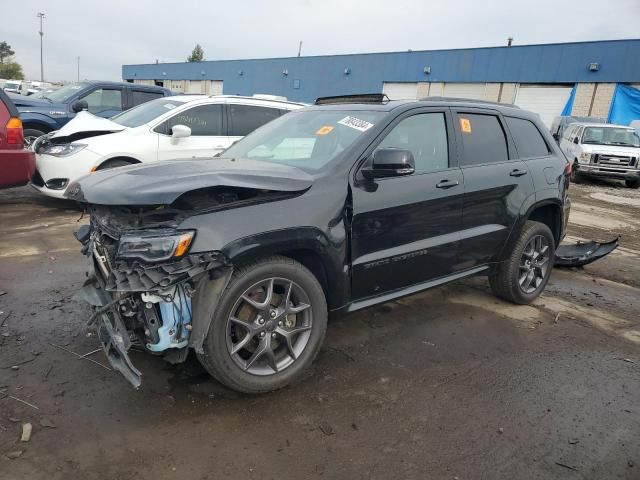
(17, 164)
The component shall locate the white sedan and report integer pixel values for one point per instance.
(182, 126)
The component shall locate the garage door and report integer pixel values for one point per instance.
(465, 90)
(193, 86)
(546, 101)
(400, 91)
(213, 87)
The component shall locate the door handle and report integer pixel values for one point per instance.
(518, 173)
(447, 183)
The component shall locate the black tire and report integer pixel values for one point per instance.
(114, 163)
(218, 359)
(576, 176)
(505, 282)
(634, 183)
(30, 135)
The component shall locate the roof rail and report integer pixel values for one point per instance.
(358, 98)
(466, 100)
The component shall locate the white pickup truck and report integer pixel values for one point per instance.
(603, 150)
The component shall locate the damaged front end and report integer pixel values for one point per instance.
(151, 287)
(142, 283)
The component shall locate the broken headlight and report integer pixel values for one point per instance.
(155, 247)
(63, 150)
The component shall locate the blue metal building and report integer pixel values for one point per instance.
(494, 73)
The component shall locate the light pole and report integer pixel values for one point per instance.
(41, 32)
(78, 69)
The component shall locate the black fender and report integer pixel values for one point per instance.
(324, 255)
(528, 207)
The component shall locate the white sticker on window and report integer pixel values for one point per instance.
(356, 123)
(169, 106)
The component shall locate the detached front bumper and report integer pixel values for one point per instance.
(112, 333)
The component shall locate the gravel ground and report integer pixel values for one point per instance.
(450, 383)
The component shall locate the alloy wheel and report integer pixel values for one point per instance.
(269, 326)
(534, 264)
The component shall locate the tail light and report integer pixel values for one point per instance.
(15, 135)
(568, 168)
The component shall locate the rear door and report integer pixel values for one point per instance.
(496, 182)
(405, 229)
(207, 133)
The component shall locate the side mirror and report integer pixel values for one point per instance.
(180, 131)
(390, 162)
(556, 137)
(79, 105)
(576, 140)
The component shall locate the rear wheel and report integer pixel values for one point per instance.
(634, 183)
(522, 277)
(267, 327)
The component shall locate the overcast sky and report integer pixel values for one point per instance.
(107, 34)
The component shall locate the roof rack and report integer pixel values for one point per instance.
(466, 100)
(359, 98)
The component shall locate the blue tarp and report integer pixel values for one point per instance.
(625, 105)
(566, 111)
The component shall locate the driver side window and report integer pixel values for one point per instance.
(425, 136)
(104, 99)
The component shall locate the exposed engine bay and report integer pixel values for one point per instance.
(140, 282)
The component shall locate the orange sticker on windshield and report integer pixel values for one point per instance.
(465, 125)
(324, 130)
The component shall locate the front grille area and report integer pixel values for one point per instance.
(615, 160)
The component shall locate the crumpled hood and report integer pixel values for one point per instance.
(87, 122)
(163, 182)
(611, 150)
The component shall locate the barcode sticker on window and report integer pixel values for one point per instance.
(356, 123)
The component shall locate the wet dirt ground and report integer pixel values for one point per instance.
(450, 383)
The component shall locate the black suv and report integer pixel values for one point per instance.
(329, 209)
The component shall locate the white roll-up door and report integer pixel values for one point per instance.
(465, 90)
(400, 90)
(214, 87)
(193, 86)
(545, 100)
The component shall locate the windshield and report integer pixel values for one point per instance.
(12, 85)
(307, 139)
(611, 136)
(146, 112)
(62, 94)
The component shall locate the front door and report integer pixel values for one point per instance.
(206, 139)
(496, 185)
(405, 229)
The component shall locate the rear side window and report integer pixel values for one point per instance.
(204, 120)
(529, 141)
(244, 119)
(482, 138)
(140, 97)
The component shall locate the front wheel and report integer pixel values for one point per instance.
(267, 327)
(114, 163)
(31, 135)
(522, 277)
(632, 183)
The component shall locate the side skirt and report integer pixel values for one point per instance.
(403, 292)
